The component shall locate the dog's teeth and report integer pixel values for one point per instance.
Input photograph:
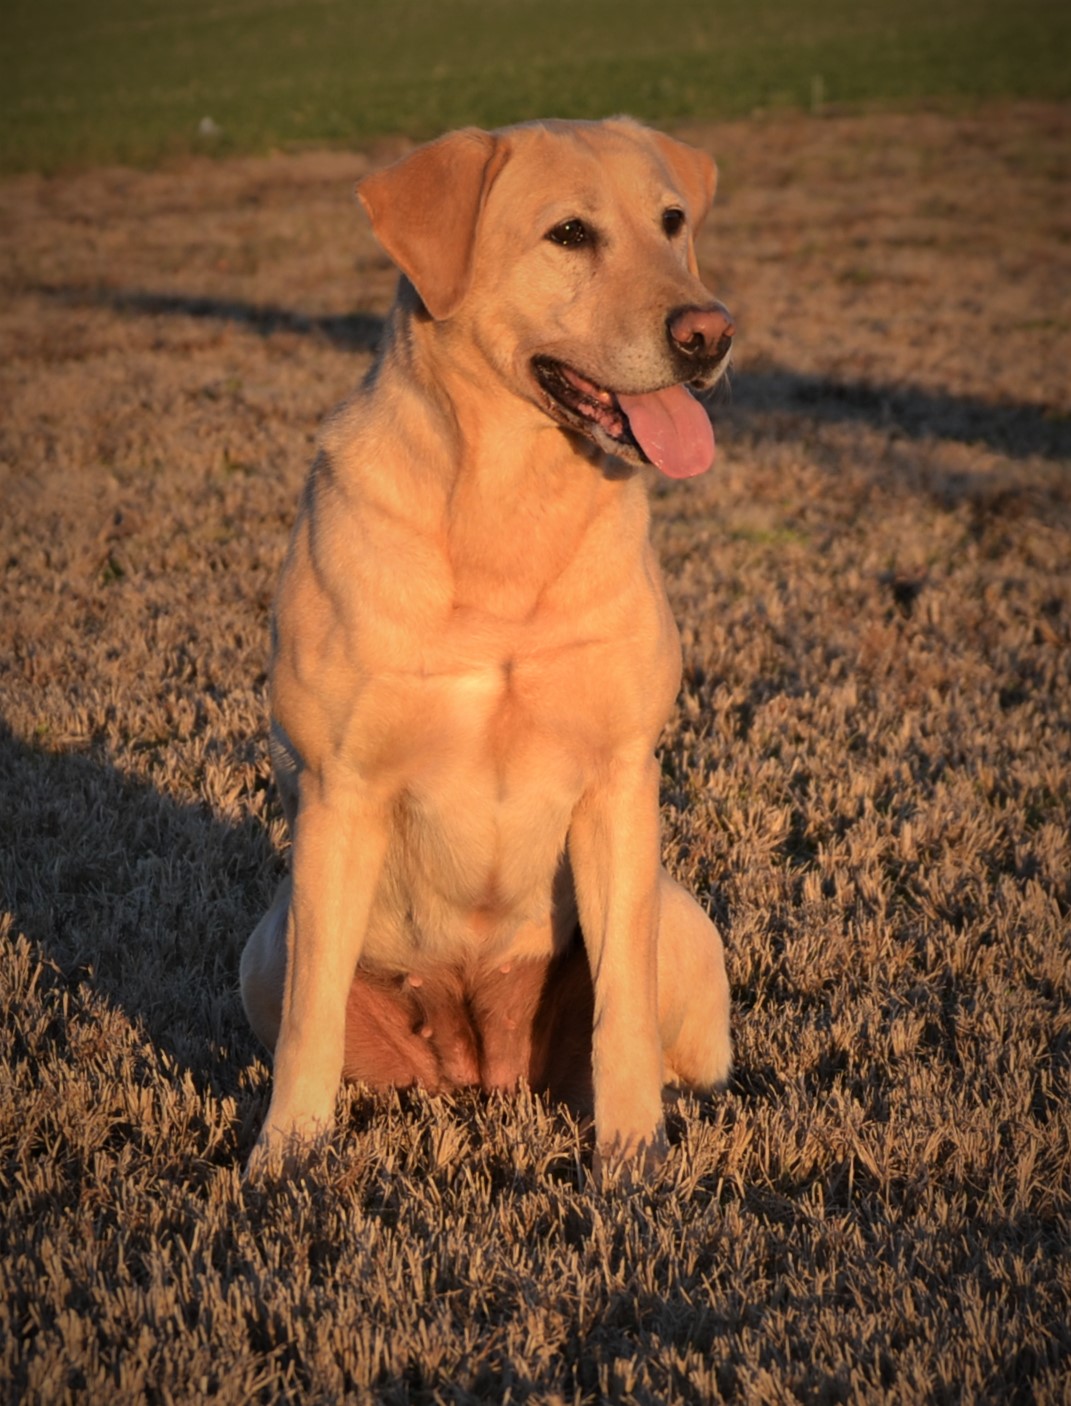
(587, 388)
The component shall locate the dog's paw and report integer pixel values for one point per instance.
(622, 1162)
(277, 1155)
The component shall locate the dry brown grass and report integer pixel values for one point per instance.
(869, 781)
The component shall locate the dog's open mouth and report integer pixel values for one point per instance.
(667, 428)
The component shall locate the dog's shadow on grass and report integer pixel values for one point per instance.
(356, 332)
(141, 898)
(776, 397)
(765, 398)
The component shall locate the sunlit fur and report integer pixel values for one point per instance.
(475, 657)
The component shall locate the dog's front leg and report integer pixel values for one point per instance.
(340, 837)
(614, 853)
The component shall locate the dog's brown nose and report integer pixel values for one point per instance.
(702, 333)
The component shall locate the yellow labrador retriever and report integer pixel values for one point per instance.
(473, 654)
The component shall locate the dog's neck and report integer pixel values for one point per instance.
(510, 494)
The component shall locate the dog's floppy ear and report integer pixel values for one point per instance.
(693, 171)
(425, 210)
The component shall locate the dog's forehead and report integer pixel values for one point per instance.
(590, 166)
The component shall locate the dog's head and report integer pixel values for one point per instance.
(563, 255)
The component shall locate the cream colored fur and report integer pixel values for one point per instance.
(473, 652)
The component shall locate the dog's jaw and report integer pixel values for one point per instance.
(664, 426)
(580, 404)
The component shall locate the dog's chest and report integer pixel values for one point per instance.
(503, 755)
(499, 755)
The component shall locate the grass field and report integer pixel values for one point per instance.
(868, 781)
(134, 80)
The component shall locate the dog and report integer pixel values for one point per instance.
(473, 654)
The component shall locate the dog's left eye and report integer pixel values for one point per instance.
(570, 233)
(672, 220)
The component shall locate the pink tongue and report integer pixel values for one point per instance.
(672, 429)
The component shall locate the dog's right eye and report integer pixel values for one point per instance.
(570, 233)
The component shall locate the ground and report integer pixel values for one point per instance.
(868, 782)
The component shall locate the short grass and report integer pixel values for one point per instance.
(868, 781)
(126, 80)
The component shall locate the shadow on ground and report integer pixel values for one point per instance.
(357, 332)
(146, 899)
(1017, 430)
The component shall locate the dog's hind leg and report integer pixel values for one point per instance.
(693, 1008)
(693, 992)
